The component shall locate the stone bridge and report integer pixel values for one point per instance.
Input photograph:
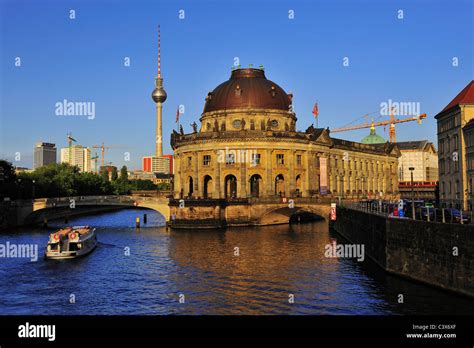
(30, 211)
(185, 213)
(215, 213)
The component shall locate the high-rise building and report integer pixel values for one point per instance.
(44, 154)
(455, 150)
(162, 164)
(170, 157)
(80, 156)
(146, 164)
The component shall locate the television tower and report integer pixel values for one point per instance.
(159, 97)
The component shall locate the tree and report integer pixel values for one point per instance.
(114, 174)
(8, 179)
(60, 180)
(124, 173)
(105, 174)
(7, 172)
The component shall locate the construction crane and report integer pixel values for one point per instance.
(70, 140)
(102, 150)
(391, 122)
(95, 161)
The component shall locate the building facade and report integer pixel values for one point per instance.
(420, 155)
(44, 154)
(454, 152)
(77, 156)
(423, 157)
(154, 164)
(247, 146)
(468, 131)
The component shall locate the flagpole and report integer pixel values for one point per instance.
(317, 117)
(178, 114)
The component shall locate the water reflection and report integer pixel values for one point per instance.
(237, 271)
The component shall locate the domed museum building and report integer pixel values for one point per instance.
(246, 145)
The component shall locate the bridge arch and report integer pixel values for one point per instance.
(34, 211)
(283, 214)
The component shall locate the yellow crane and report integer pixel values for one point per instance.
(95, 161)
(391, 122)
(102, 150)
(70, 140)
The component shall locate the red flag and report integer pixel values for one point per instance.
(177, 115)
(315, 110)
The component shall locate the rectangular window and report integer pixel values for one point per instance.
(230, 158)
(190, 161)
(298, 160)
(255, 159)
(206, 160)
(280, 159)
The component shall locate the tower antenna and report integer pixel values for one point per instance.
(159, 52)
(159, 97)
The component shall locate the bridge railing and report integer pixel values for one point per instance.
(77, 199)
(296, 200)
(427, 214)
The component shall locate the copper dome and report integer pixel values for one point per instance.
(247, 88)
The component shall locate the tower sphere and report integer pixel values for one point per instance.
(159, 95)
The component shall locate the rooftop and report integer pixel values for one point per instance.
(466, 96)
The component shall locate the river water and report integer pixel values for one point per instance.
(236, 271)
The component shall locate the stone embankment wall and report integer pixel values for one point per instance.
(433, 253)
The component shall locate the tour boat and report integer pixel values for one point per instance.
(71, 242)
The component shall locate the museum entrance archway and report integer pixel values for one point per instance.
(207, 186)
(280, 185)
(255, 181)
(230, 186)
(190, 186)
(298, 186)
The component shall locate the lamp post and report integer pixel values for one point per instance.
(412, 193)
(19, 188)
(33, 189)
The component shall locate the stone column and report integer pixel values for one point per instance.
(177, 176)
(196, 190)
(268, 174)
(308, 176)
(217, 176)
(292, 186)
(311, 170)
(243, 178)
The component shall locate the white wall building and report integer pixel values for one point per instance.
(420, 155)
(80, 156)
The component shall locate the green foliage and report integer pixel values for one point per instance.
(60, 180)
(8, 183)
(114, 174)
(163, 186)
(141, 185)
(63, 180)
(105, 175)
(124, 173)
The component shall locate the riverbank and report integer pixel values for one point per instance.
(441, 255)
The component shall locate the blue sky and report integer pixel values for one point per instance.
(406, 60)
